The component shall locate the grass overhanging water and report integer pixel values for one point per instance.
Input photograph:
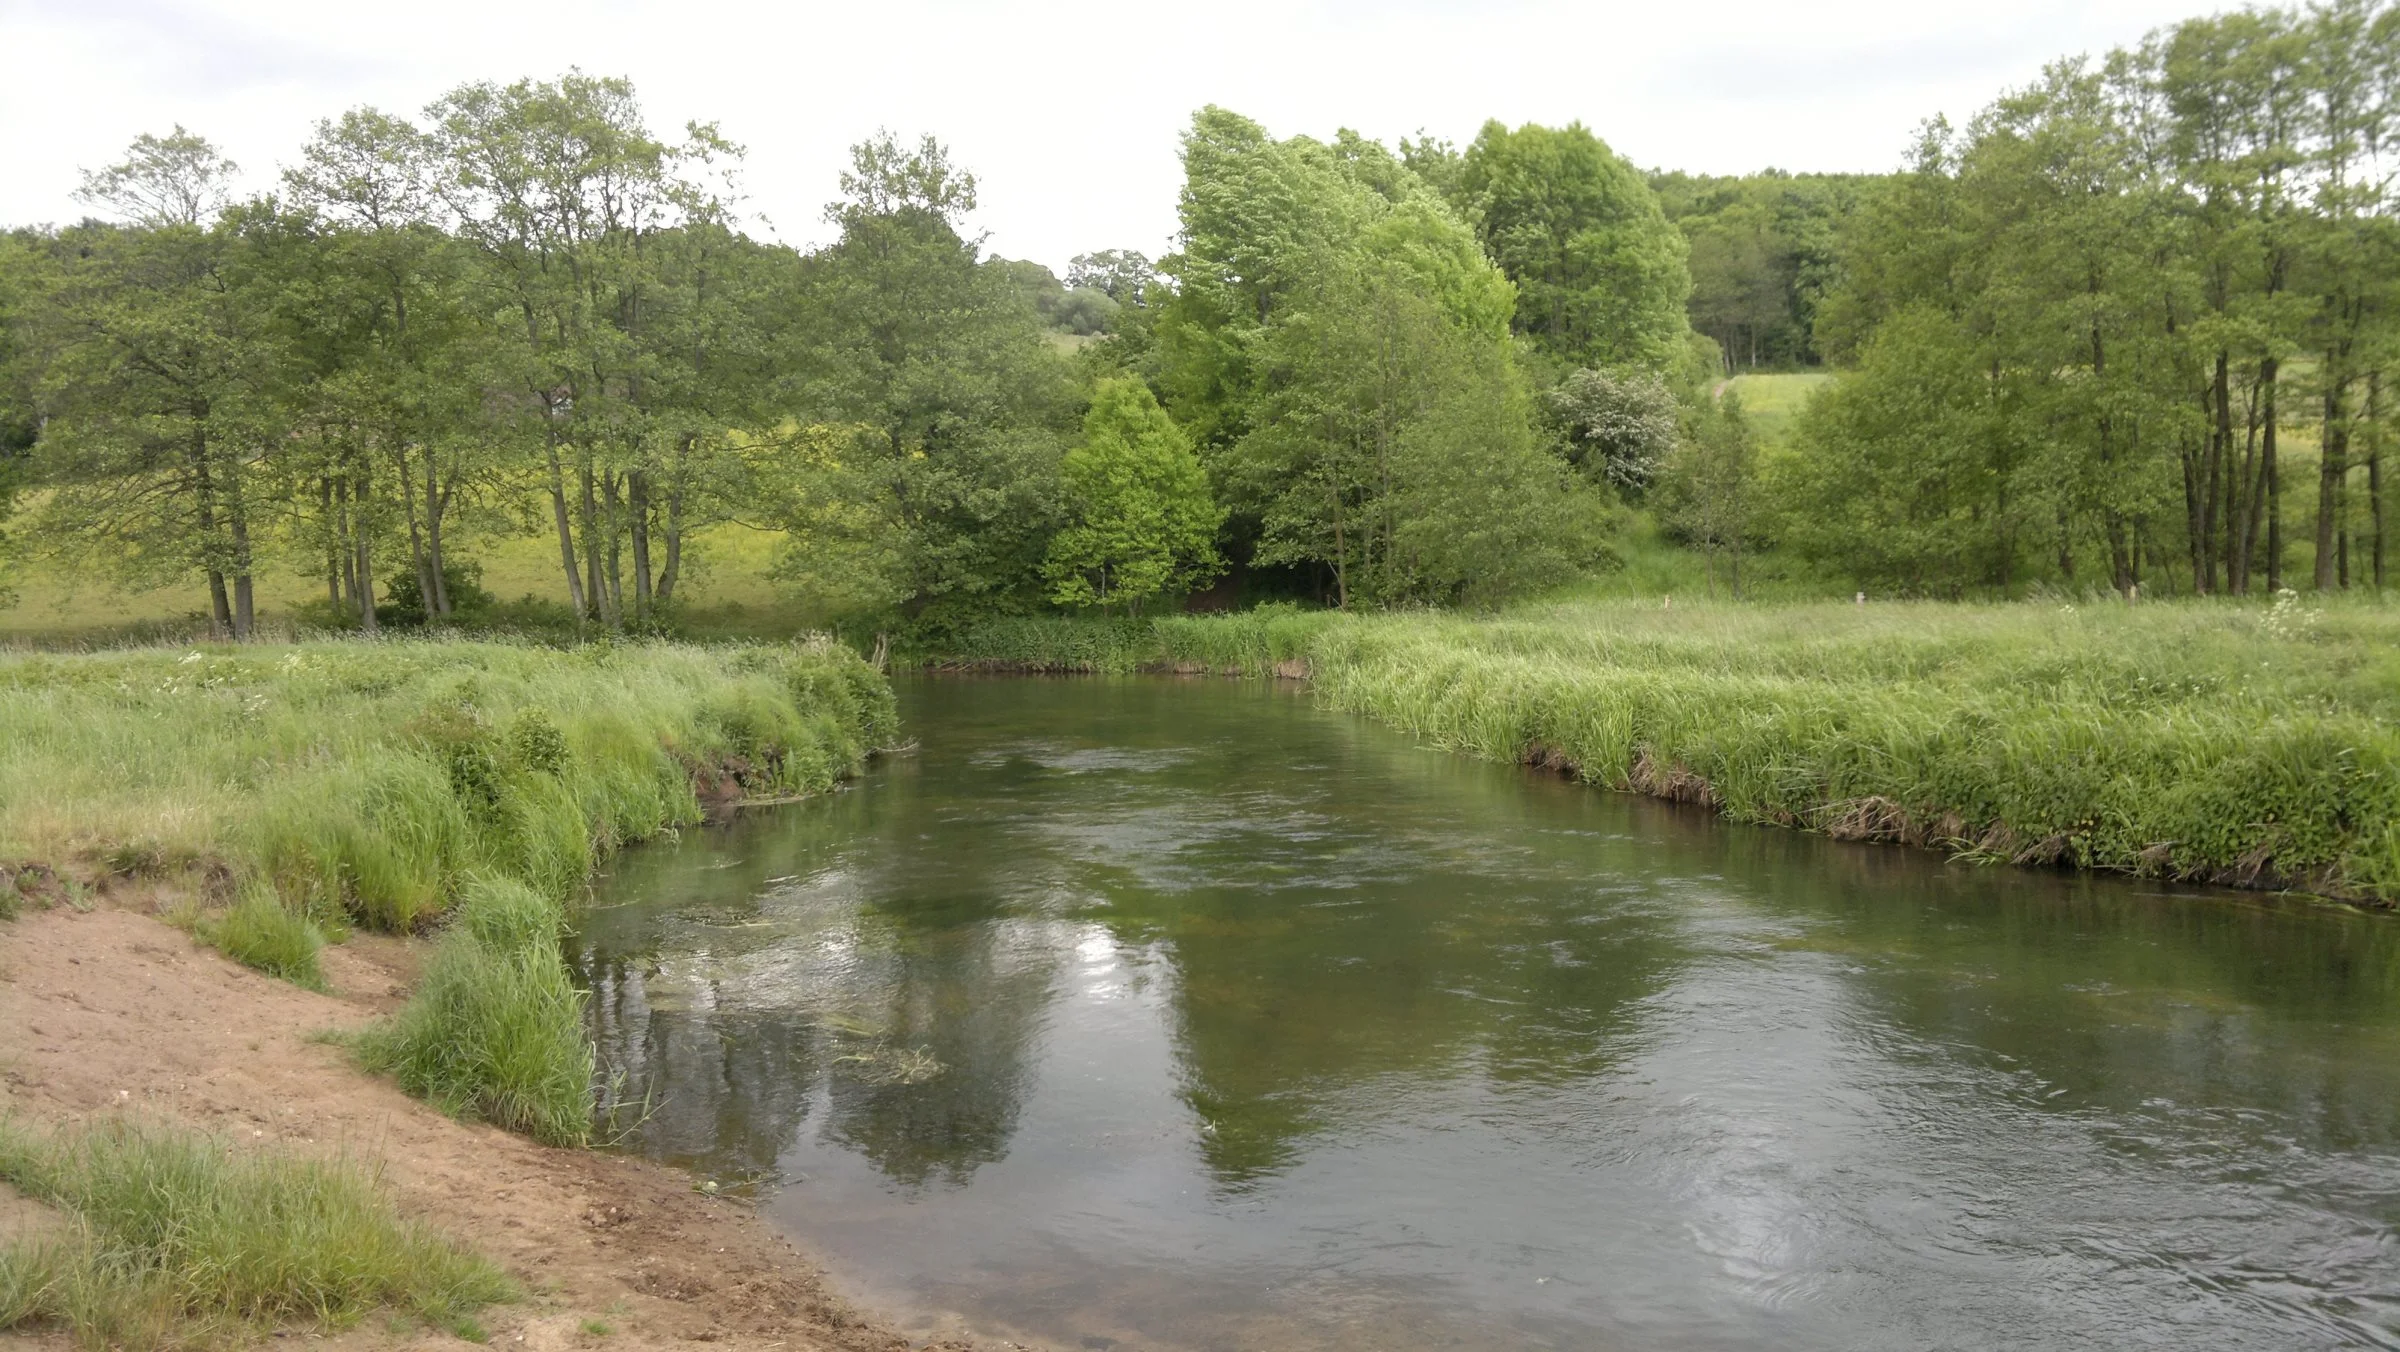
(2232, 743)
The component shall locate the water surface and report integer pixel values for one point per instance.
(1184, 1014)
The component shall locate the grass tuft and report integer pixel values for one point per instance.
(180, 1239)
(494, 1034)
(260, 931)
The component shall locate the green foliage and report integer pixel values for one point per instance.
(1709, 488)
(1143, 519)
(1599, 271)
(260, 931)
(182, 1239)
(1339, 346)
(1765, 252)
(494, 1033)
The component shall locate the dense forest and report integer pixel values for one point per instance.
(2096, 336)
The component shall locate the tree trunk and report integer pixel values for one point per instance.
(2268, 469)
(437, 503)
(637, 522)
(2333, 466)
(417, 558)
(566, 536)
(674, 564)
(365, 542)
(2375, 471)
(333, 545)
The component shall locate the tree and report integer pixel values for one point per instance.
(1711, 490)
(1141, 520)
(1338, 343)
(953, 403)
(163, 397)
(1600, 273)
(1119, 274)
(176, 179)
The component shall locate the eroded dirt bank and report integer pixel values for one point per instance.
(111, 1010)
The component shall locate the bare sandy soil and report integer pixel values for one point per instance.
(113, 1010)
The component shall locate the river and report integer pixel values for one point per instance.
(1184, 1014)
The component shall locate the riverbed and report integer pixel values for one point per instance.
(1184, 1014)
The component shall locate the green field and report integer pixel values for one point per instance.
(1772, 401)
(726, 591)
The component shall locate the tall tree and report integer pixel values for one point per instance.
(1600, 273)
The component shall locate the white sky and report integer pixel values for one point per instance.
(1067, 113)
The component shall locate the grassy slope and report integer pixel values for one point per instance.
(2234, 742)
(372, 778)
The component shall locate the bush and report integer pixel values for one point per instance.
(261, 932)
(181, 1238)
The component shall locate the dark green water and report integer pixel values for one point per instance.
(1187, 1015)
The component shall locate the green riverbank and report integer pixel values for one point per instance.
(2234, 744)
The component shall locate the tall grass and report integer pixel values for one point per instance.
(179, 1238)
(494, 1030)
(366, 779)
(2226, 741)
(378, 783)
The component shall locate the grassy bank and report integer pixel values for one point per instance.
(176, 1238)
(2244, 744)
(365, 781)
(288, 792)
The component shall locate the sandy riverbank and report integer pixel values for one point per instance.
(114, 1010)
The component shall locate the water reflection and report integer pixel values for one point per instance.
(1185, 1014)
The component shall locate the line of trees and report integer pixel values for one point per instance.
(526, 313)
(2091, 325)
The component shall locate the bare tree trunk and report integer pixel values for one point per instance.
(637, 522)
(675, 491)
(2333, 466)
(2267, 467)
(365, 540)
(418, 562)
(2375, 470)
(437, 503)
(566, 536)
(333, 544)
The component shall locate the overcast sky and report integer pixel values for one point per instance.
(1067, 113)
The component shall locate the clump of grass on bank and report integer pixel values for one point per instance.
(179, 1238)
(2225, 741)
(260, 931)
(495, 1029)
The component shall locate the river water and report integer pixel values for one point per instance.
(1184, 1014)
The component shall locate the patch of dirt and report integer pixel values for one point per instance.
(112, 1010)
